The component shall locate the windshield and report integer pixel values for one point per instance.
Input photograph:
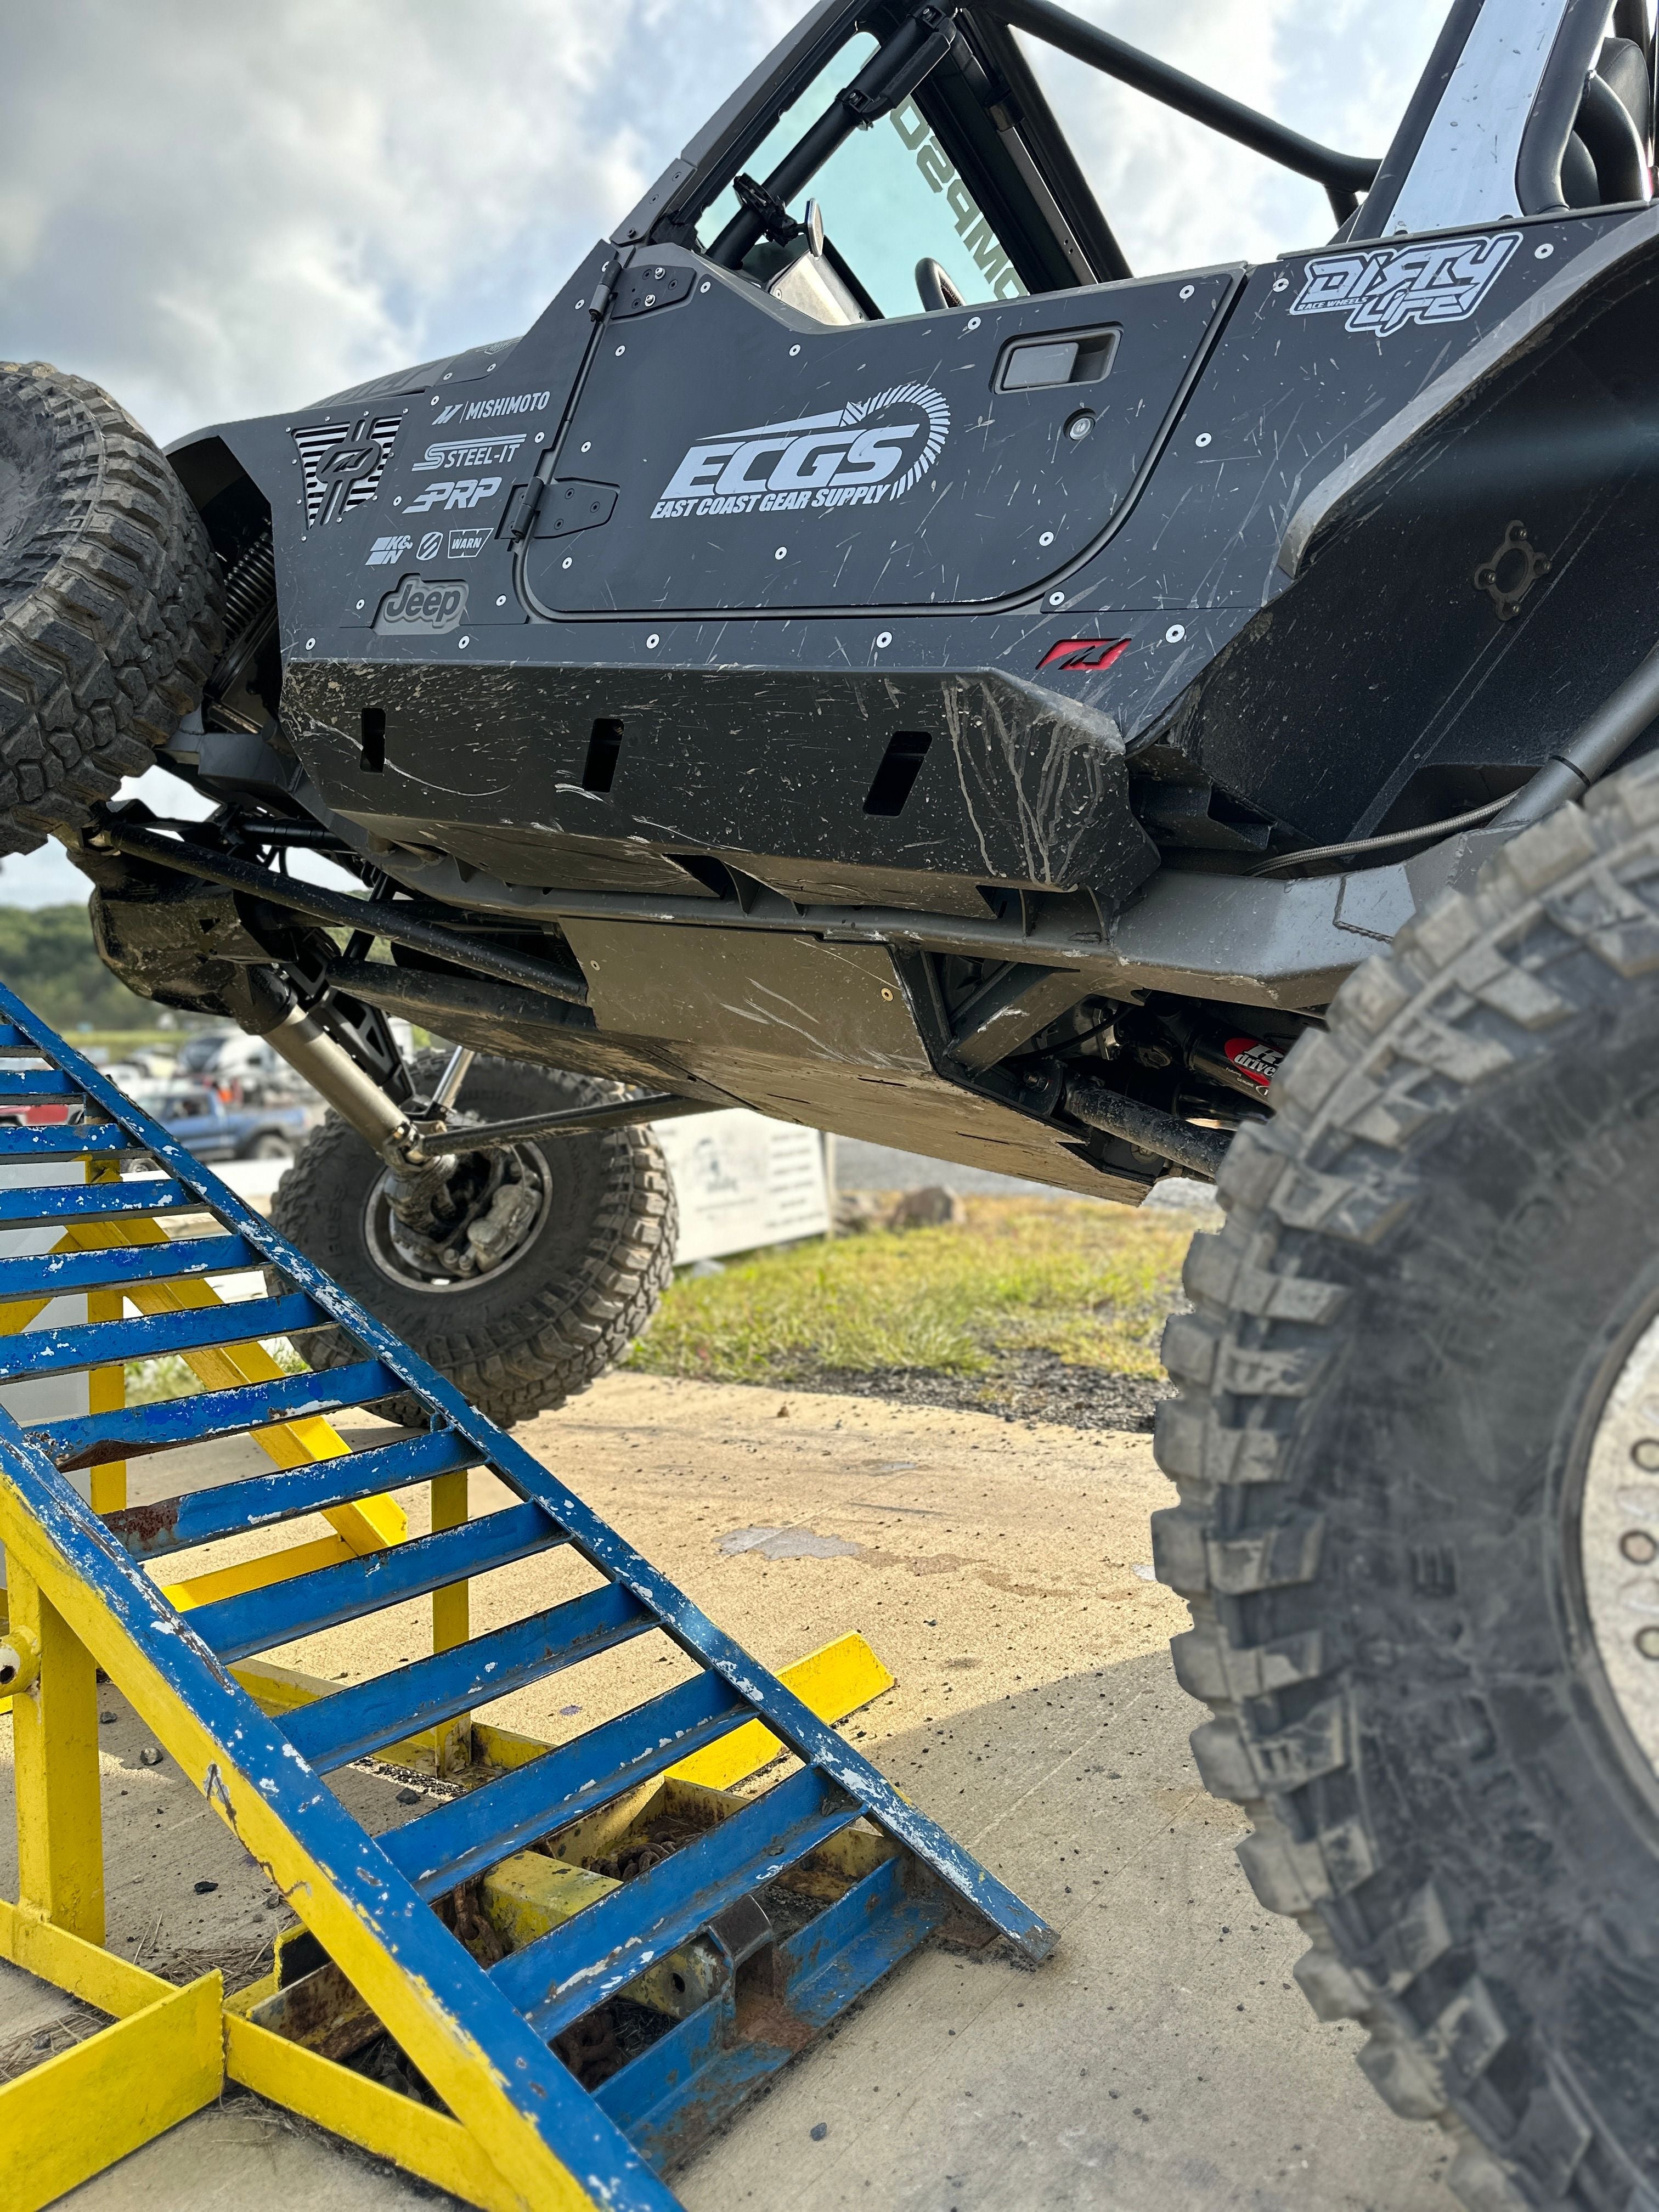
(890, 196)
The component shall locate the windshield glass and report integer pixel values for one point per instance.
(890, 196)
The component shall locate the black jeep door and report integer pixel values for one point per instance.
(773, 421)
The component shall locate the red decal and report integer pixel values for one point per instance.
(1251, 1057)
(1085, 652)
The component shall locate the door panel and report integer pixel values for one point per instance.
(763, 462)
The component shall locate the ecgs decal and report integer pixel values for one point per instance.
(867, 453)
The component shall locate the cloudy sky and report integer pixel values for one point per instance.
(219, 208)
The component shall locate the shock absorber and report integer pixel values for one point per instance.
(1235, 1060)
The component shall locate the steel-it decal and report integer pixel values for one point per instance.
(418, 609)
(1383, 288)
(1083, 652)
(492, 410)
(470, 452)
(449, 493)
(431, 545)
(343, 464)
(865, 454)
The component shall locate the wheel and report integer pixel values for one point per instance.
(110, 607)
(1417, 1441)
(272, 1146)
(573, 1242)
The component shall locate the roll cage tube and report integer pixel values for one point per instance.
(1343, 175)
(890, 75)
(1011, 98)
(1571, 98)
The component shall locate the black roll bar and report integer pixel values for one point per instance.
(1343, 175)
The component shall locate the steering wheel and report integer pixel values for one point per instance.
(934, 286)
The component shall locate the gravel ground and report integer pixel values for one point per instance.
(1022, 1386)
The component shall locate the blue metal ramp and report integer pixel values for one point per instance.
(780, 1909)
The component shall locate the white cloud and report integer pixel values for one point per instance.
(218, 212)
(228, 211)
(1179, 196)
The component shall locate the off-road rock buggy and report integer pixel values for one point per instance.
(864, 655)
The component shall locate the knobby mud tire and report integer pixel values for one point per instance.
(1432, 1256)
(110, 608)
(525, 1341)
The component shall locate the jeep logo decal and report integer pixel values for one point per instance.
(863, 454)
(417, 609)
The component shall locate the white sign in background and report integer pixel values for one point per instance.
(743, 1180)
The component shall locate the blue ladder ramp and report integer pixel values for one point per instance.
(480, 2030)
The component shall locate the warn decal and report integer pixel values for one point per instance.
(864, 454)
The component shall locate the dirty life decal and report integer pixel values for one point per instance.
(1381, 289)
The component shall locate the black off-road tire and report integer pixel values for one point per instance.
(111, 609)
(1436, 1256)
(524, 1340)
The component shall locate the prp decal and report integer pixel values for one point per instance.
(470, 452)
(451, 492)
(1383, 288)
(1083, 652)
(864, 454)
(1251, 1057)
(417, 609)
(343, 464)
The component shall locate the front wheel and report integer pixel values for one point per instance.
(1417, 1447)
(551, 1260)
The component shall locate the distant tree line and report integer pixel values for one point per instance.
(46, 957)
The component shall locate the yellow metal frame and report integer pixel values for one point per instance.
(161, 2059)
(79, 2112)
(169, 2050)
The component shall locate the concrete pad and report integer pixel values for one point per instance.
(1164, 2061)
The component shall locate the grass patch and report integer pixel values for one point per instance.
(1089, 1284)
(171, 1376)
